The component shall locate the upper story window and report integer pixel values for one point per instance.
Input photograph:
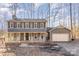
(41, 25)
(35, 25)
(15, 25)
(26, 25)
(22, 25)
(11, 25)
(38, 25)
(31, 25)
(18, 25)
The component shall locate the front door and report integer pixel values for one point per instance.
(27, 36)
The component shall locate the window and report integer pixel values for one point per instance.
(26, 25)
(22, 25)
(15, 25)
(38, 25)
(41, 25)
(18, 25)
(35, 25)
(12, 25)
(32, 25)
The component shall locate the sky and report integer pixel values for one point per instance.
(59, 12)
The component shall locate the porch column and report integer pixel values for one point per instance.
(19, 37)
(24, 37)
(44, 36)
(31, 36)
(10, 36)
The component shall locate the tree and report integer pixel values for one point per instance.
(13, 9)
(71, 20)
(2, 26)
(51, 17)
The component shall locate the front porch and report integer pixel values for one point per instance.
(23, 37)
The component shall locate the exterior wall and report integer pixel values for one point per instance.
(36, 30)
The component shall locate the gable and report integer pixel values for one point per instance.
(60, 30)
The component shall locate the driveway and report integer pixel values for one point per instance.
(72, 47)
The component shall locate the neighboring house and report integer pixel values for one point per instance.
(35, 30)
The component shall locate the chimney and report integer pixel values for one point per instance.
(14, 17)
(14, 11)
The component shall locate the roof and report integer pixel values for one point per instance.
(27, 30)
(27, 20)
(59, 29)
(48, 29)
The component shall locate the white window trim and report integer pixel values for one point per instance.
(26, 25)
(35, 25)
(41, 25)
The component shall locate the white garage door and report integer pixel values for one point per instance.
(60, 37)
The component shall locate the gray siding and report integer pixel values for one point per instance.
(27, 30)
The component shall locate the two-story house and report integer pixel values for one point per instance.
(27, 30)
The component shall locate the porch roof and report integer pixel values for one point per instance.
(27, 30)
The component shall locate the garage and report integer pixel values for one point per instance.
(60, 37)
(60, 34)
